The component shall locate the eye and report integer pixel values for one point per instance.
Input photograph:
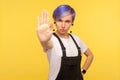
(68, 21)
(59, 20)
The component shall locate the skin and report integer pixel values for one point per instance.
(45, 30)
(63, 24)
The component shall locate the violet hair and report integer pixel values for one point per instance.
(62, 11)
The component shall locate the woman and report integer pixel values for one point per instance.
(64, 50)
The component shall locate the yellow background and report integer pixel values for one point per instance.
(21, 56)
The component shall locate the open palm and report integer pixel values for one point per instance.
(44, 29)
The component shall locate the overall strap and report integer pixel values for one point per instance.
(62, 46)
(79, 52)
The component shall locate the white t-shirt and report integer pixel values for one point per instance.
(54, 55)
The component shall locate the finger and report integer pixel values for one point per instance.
(47, 18)
(42, 18)
(51, 26)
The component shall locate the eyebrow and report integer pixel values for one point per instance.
(59, 20)
(65, 20)
(68, 21)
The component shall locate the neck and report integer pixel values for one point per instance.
(65, 35)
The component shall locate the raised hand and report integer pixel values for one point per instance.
(44, 28)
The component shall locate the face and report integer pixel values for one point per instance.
(63, 24)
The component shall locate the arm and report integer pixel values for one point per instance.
(89, 59)
(44, 30)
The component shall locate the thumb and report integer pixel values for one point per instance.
(51, 26)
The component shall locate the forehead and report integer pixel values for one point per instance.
(67, 17)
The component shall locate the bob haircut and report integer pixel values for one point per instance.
(62, 11)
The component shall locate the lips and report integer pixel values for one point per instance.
(62, 30)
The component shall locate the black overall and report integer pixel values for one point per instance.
(70, 66)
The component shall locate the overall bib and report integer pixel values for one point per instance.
(70, 66)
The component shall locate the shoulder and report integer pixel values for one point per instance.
(53, 38)
(76, 37)
(81, 44)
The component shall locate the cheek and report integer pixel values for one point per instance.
(68, 27)
(57, 26)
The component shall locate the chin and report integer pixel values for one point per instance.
(61, 32)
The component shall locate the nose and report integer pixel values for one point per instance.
(63, 24)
